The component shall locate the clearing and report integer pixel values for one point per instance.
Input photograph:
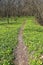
(28, 38)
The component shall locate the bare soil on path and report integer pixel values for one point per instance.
(21, 50)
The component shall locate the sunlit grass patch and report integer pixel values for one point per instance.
(9, 39)
(33, 38)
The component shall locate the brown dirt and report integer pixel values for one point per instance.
(21, 50)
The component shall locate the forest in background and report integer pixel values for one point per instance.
(22, 8)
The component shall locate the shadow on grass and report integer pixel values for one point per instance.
(6, 23)
(9, 23)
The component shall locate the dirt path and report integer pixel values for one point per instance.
(21, 50)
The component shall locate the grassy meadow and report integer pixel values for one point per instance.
(32, 36)
(8, 39)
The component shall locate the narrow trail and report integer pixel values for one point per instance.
(21, 50)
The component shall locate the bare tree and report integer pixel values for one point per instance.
(38, 10)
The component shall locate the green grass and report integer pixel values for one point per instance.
(33, 38)
(8, 39)
(32, 35)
